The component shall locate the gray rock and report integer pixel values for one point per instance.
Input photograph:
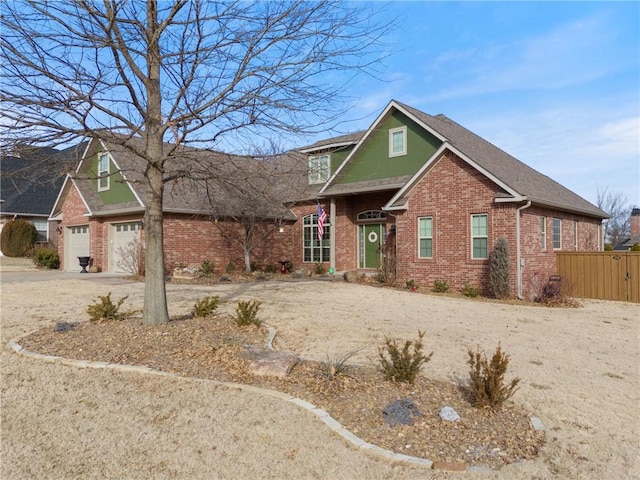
(449, 414)
(400, 412)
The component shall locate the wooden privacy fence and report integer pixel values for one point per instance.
(604, 275)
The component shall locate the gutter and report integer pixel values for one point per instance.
(519, 259)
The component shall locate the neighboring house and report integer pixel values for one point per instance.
(30, 181)
(418, 195)
(634, 231)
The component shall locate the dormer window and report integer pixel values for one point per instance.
(397, 142)
(318, 169)
(103, 172)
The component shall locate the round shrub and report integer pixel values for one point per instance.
(18, 238)
(46, 258)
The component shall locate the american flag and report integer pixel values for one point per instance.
(322, 216)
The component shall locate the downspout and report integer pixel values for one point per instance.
(332, 231)
(519, 259)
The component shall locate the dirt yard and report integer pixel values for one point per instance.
(580, 371)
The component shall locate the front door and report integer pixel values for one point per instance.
(371, 240)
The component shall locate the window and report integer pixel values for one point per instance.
(479, 237)
(397, 142)
(313, 249)
(425, 237)
(543, 232)
(42, 227)
(318, 169)
(557, 234)
(575, 236)
(103, 172)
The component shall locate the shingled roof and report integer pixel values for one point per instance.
(30, 183)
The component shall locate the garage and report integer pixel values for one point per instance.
(124, 246)
(76, 244)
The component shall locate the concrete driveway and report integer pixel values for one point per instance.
(16, 270)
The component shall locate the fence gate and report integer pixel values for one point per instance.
(602, 275)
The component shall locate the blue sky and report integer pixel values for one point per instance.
(557, 85)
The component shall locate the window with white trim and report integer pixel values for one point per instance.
(425, 237)
(42, 229)
(479, 237)
(557, 234)
(318, 169)
(543, 232)
(103, 172)
(397, 142)
(313, 249)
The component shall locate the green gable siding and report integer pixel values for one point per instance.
(338, 156)
(119, 191)
(372, 162)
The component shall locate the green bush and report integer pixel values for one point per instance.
(440, 286)
(319, 268)
(608, 247)
(635, 247)
(46, 258)
(106, 309)
(206, 268)
(231, 267)
(487, 379)
(288, 266)
(411, 284)
(18, 238)
(247, 313)
(499, 269)
(470, 291)
(403, 365)
(205, 306)
(271, 268)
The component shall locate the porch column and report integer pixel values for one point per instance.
(332, 231)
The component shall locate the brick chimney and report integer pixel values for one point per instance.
(635, 222)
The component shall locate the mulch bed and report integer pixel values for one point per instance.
(208, 348)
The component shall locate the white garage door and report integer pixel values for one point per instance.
(124, 246)
(76, 244)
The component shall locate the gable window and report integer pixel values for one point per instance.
(557, 234)
(397, 142)
(543, 232)
(42, 229)
(103, 172)
(318, 169)
(314, 249)
(479, 237)
(425, 237)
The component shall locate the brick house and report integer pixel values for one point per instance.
(429, 199)
(418, 195)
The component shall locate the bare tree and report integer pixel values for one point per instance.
(617, 227)
(195, 73)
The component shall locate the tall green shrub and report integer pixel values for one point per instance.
(499, 269)
(18, 238)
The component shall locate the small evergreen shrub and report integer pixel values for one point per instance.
(440, 286)
(106, 309)
(499, 269)
(247, 313)
(608, 247)
(206, 268)
(231, 267)
(46, 258)
(271, 268)
(319, 268)
(635, 247)
(470, 291)
(205, 306)
(288, 266)
(403, 364)
(18, 238)
(411, 284)
(488, 385)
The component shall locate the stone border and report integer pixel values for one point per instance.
(324, 416)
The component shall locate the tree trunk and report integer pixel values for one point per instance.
(155, 294)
